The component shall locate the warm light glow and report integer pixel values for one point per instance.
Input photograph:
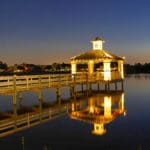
(122, 101)
(99, 129)
(121, 104)
(107, 71)
(73, 107)
(107, 106)
(122, 71)
(97, 45)
(73, 68)
(91, 67)
(91, 105)
(101, 111)
(91, 110)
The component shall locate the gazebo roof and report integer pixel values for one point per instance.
(96, 55)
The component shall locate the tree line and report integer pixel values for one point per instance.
(137, 68)
(25, 68)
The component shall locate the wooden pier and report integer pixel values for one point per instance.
(11, 84)
(16, 85)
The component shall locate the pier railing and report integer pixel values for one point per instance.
(28, 82)
(11, 125)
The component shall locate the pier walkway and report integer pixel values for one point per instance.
(16, 85)
(11, 84)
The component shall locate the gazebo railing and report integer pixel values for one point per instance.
(98, 76)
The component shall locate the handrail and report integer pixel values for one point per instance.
(51, 80)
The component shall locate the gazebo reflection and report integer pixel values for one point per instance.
(100, 110)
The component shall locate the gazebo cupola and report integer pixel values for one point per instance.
(97, 43)
(105, 64)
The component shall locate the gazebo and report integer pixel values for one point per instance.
(98, 61)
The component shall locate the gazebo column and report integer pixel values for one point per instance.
(120, 69)
(73, 67)
(90, 67)
(107, 71)
(90, 72)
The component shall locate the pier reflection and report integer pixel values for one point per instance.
(99, 110)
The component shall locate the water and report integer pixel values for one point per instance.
(129, 131)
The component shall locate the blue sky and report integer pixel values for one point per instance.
(47, 31)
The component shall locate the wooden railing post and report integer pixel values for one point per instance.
(40, 97)
(49, 80)
(115, 85)
(58, 94)
(28, 120)
(39, 81)
(122, 85)
(27, 80)
(98, 86)
(14, 102)
(8, 82)
(72, 90)
(87, 84)
(20, 99)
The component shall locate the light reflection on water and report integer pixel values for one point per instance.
(125, 132)
(99, 111)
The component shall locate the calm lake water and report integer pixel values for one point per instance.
(128, 131)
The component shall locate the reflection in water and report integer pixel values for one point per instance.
(99, 111)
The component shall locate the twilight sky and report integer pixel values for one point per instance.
(47, 31)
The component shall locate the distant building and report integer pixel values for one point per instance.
(99, 61)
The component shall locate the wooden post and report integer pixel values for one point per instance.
(22, 142)
(116, 86)
(98, 86)
(49, 80)
(108, 84)
(20, 100)
(39, 81)
(14, 102)
(90, 87)
(28, 120)
(82, 88)
(122, 85)
(73, 92)
(8, 82)
(73, 87)
(58, 93)
(27, 80)
(40, 97)
(87, 84)
(106, 87)
(50, 114)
